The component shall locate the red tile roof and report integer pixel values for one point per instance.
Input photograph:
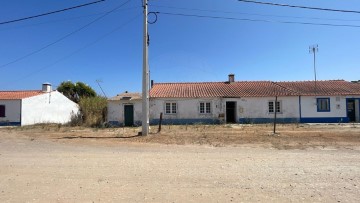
(329, 87)
(252, 89)
(14, 95)
(218, 89)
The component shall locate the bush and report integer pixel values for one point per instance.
(92, 112)
(76, 119)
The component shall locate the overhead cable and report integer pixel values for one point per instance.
(303, 7)
(76, 51)
(67, 19)
(64, 37)
(253, 14)
(259, 20)
(49, 13)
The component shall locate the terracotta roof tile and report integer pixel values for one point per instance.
(253, 89)
(329, 87)
(14, 95)
(218, 89)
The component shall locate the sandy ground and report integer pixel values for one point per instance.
(302, 164)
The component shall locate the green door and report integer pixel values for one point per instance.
(129, 115)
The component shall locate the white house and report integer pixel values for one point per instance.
(246, 102)
(35, 106)
(125, 109)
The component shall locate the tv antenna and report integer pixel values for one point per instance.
(314, 49)
(98, 82)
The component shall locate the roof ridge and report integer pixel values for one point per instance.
(20, 90)
(339, 80)
(184, 82)
(250, 81)
(244, 81)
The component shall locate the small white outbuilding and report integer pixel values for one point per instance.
(35, 106)
(125, 109)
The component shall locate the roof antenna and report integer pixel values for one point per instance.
(98, 82)
(314, 49)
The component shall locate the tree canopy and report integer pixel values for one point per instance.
(75, 91)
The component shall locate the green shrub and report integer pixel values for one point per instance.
(76, 119)
(92, 112)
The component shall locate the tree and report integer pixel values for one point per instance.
(67, 89)
(75, 91)
(83, 90)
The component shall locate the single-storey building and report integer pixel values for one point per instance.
(332, 101)
(125, 109)
(35, 106)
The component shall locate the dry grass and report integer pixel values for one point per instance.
(291, 136)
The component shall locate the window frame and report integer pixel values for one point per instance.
(207, 109)
(319, 104)
(4, 114)
(274, 107)
(173, 107)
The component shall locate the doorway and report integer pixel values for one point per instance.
(352, 108)
(230, 112)
(129, 115)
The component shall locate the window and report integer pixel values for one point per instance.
(271, 107)
(2, 110)
(170, 108)
(205, 107)
(323, 104)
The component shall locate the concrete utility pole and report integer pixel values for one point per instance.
(145, 75)
(313, 49)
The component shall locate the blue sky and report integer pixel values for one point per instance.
(182, 49)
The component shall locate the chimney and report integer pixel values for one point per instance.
(46, 87)
(231, 78)
(151, 83)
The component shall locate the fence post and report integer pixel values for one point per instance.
(161, 114)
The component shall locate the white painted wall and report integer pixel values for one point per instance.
(12, 110)
(247, 108)
(52, 107)
(116, 110)
(113, 111)
(186, 108)
(309, 107)
(256, 107)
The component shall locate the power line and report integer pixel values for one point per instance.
(64, 37)
(258, 20)
(77, 51)
(68, 19)
(303, 7)
(254, 14)
(49, 13)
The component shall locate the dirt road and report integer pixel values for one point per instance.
(43, 170)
